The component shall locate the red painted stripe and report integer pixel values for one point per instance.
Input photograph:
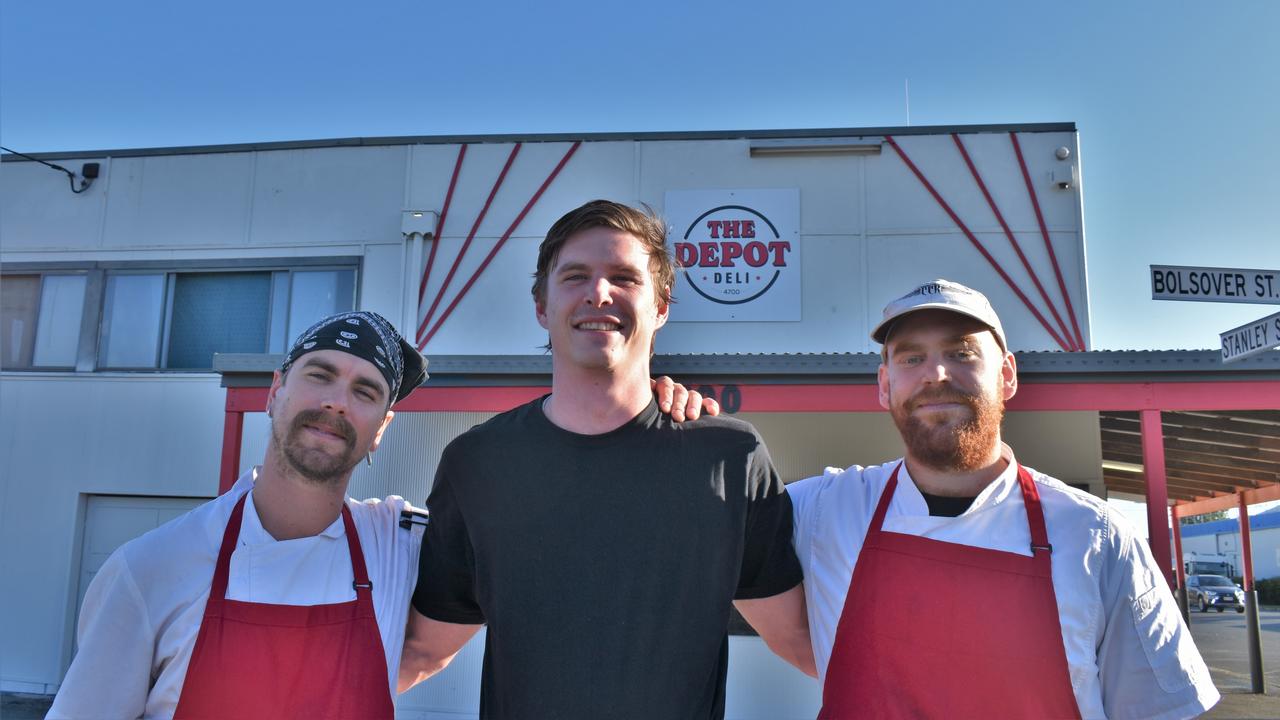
(837, 397)
(1044, 232)
(457, 260)
(1171, 396)
(1014, 241)
(974, 240)
(444, 214)
(501, 241)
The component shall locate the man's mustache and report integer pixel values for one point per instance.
(335, 424)
(927, 397)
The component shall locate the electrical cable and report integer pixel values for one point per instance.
(71, 177)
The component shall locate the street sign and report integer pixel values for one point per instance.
(1211, 284)
(1256, 337)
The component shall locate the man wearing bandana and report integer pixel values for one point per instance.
(283, 597)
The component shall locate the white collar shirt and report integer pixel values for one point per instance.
(1128, 652)
(143, 610)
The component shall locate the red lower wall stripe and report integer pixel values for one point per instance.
(837, 397)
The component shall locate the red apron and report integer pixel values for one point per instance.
(933, 629)
(256, 660)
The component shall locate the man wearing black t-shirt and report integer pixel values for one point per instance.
(600, 542)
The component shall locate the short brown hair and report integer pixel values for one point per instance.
(645, 225)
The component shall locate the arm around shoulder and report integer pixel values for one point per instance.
(783, 624)
(429, 646)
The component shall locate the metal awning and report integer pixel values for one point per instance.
(1208, 454)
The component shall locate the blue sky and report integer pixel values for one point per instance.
(1176, 102)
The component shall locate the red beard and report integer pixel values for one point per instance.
(950, 446)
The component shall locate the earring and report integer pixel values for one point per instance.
(368, 459)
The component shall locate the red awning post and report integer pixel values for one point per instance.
(1181, 567)
(1157, 491)
(1257, 679)
(1246, 544)
(232, 428)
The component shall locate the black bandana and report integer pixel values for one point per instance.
(368, 336)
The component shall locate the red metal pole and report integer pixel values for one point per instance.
(1257, 676)
(232, 428)
(1177, 549)
(1157, 491)
(1246, 545)
(1180, 592)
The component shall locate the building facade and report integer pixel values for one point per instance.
(116, 300)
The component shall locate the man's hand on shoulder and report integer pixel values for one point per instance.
(680, 402)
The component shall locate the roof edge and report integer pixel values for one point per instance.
(546, 138)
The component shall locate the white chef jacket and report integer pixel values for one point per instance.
(1129, 653)
(143, 610)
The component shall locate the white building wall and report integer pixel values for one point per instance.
(870, 231)
(1266, 549)
(63, 438)
(1266, 553)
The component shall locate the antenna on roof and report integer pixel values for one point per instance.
(906, 91)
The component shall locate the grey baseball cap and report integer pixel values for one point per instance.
(941, 295)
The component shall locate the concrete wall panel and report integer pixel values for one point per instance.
(180, 201)
(328, 195)
(41, 213)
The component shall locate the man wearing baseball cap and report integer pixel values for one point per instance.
(957, 583)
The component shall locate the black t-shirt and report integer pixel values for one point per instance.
(947, 505)
(604, 565)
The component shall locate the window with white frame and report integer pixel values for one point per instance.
(149, 317)
(40, 319)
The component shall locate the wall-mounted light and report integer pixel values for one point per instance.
(417, 222)
(1064, 178)
(814, 146)
(1123, 467)
(88, 171)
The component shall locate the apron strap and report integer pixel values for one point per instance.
(361, 583)
(1035, 515)
(885, 496)
(1040, 546)
(218, 591)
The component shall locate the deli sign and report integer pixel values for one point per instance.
(740, 254)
